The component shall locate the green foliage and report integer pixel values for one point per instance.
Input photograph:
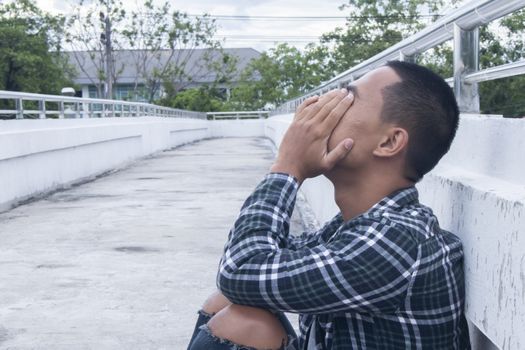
(207, 98)
(282, 73)
(503, 96)
(29, 56)
(374, 26)
(203, 99)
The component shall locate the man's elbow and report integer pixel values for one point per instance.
(228, 286)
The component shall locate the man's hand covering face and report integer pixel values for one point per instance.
(303, 152)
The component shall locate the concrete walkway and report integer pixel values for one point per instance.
(125, 261)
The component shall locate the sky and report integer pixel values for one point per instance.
(259, 33)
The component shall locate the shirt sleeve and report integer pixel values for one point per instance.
(306, 239)
(365, 268)
(321, 236)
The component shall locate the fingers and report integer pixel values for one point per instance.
(338, 153)
(306, 103)
(338, 111)
(320, 110)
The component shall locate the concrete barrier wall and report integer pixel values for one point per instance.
(237, 128)
(477, 192)
(38, 156)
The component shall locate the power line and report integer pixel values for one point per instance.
(270, 41)
(296, 18)
(307, 18)
(240, 36)
(292, 37)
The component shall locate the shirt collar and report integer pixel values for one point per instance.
(397, 199)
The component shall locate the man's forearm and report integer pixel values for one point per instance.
(263, 223)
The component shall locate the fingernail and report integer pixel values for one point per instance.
(349, 143)
(344, 91)
(350, 95)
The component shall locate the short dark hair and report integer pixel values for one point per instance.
(424, 104)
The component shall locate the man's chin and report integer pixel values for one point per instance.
(343, 169)
(330, 174)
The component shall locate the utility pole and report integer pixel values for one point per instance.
(105, 38)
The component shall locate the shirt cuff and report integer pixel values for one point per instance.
(283, 177)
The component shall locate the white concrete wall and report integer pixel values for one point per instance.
(38, 156)
(477, 192)
(237, 128)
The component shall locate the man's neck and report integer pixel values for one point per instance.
(355, 195)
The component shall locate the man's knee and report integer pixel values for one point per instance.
(248, 326)
(215, 303)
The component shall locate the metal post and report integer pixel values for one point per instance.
(466, 60)
(42, 109)
(85, 110)
(19, 108)
(407, 58)
(77, 110)
(61, 110)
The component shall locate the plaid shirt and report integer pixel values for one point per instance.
(387, 279)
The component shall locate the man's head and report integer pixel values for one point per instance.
(402, 114)
(425, 105)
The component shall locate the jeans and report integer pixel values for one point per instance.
(202, 339)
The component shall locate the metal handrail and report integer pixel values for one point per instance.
(468, 17)
(498, 72)
(79, 107)
(238, 115)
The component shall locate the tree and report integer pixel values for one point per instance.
(94, 38)
(202, 99)
(30, 42)
(503, 96)
(164, 44)
(159, 43)
(373, 26)
(281, 73)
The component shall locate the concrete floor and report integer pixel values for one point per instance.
(125, 261)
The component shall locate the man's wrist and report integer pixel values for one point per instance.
(278, 168)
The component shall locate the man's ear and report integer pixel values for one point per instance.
(393, 142)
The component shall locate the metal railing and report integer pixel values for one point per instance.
(238, 115)
(40, 106)
(461, 25)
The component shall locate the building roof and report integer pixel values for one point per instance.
(127, 63)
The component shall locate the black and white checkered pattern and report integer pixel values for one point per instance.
(387, 279)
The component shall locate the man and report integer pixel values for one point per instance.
(381, 274)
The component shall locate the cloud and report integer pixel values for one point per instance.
(251, 33)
